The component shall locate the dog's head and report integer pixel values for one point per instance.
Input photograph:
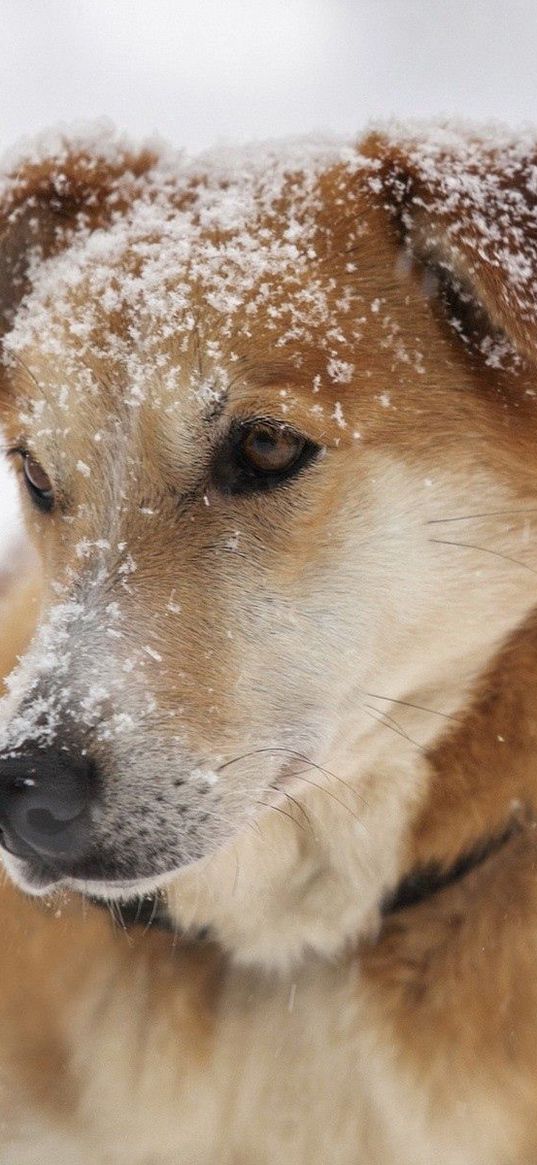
(273, 418)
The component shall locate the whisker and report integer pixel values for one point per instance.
(152, 916)
(294, 802)
(253, 826)
(326, 773)
(383, 721)
(329, 793)
(277, 809)
(138, 909)
(298, 756)
(485, 550)
(389, 719)
(476, 517)
(118, 921)
(420, 707)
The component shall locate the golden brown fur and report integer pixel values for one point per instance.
(398, 634)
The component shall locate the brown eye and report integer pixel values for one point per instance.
(271, 449)
(39, 484)
(260, 455)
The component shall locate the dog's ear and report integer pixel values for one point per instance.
(50, 192)
(467, 205)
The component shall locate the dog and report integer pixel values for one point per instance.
(272, 413)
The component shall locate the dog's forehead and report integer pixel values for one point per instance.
(224, 274)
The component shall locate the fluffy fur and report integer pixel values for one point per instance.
(296, 697)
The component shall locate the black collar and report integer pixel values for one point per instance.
(429, 880)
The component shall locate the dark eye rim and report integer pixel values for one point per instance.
(233, 473)
(44, 499)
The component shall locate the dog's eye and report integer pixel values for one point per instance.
(39, 484)
(260, 455)
(270, 450)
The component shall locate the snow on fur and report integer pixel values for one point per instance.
(233, 237)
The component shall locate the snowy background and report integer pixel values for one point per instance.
(201, 71)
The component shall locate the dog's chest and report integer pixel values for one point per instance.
(295, 1070)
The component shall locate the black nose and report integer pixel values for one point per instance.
(44, 804)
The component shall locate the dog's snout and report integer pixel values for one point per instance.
(44, 804)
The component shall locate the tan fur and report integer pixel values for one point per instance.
(376, 623)
(19, 604)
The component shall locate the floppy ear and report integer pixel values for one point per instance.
(468, 204)
(49, 192)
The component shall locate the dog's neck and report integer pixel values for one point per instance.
(484, 773)
(316, 878)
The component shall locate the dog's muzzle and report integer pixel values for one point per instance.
(45, 801)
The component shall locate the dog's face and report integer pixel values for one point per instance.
(247, 420)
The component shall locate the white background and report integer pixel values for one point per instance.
(200, 71)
